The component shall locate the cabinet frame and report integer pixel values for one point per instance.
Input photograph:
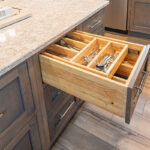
(131, 17)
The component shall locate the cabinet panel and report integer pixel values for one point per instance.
(139, 14)
(27, 138)
(16, 103)
(24, 143)
(11, 104)
(142, 14)
(94, 24)
(54, 99)
(58, 121)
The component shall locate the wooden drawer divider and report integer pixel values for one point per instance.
(73, 69)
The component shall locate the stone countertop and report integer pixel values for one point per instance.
(50, 20)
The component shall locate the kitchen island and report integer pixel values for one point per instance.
(29, 109)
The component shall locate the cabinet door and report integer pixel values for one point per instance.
(139, 16)
(27, 139)
(16, 103)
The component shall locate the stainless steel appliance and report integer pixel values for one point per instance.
(116, 14)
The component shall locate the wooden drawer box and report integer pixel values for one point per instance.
(106, 72)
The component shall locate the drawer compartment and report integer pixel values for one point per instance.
(101, 72)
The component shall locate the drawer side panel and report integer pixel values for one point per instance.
(136, 85)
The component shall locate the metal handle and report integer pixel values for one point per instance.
(66, 111)
(57, 94)
(2, 114)
(98, 22)
(61, 116)
(140, 88)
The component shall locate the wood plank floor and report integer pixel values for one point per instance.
(95, 129)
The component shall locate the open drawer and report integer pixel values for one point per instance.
(103, 71)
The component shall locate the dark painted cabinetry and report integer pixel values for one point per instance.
(139, 16)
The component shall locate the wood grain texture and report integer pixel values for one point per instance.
(77, 36)
(92, 124)
(130, 44)
(16, 103)
(115, 65)
(38, 94)
(93, 23)
(138, 14)
(27, 137)
(84, 85)
(137, 81)
(72, 141)
(111, 128)
(55, 72)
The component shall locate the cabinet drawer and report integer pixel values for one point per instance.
(94, 22)
(96, 69)
(99, 30)
(11, 106)
(16, 102)
(58, 121)
(26, 139)
(54, 98)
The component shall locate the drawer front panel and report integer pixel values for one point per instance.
(24, 143)
(27, 138)
(54, 99)
(64, 111)
(11, 104)
(84, 85)
(16, 102)
(99, 30)
(94, 22)
(136, 89)
(54, 114)
(58, 122)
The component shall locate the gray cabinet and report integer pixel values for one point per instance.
(27, 139)
(54, 107)
(32, 114)
(95, 24)
(16, 104)
(60, 107)
(139, 16)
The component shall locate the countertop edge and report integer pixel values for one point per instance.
(37, 50)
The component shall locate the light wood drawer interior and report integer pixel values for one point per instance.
(94, 68)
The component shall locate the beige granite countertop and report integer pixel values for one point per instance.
(50, 20)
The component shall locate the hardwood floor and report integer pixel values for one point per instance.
(95, 129)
